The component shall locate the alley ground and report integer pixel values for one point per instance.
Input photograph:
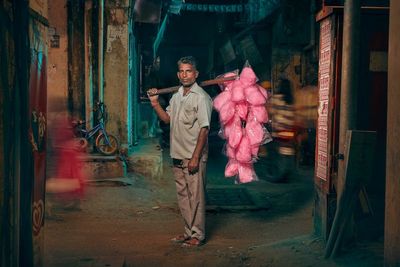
(131, 225)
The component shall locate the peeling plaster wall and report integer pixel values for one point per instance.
(116, 71)
(40, 6)
(57, 72)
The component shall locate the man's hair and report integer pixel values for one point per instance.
(188, 60)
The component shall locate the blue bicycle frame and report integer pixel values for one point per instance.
(89, 134)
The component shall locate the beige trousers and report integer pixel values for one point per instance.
(190, 190)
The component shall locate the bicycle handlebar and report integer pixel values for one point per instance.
(100, 111)
(98, 105)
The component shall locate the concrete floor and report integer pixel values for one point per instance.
(131, 225)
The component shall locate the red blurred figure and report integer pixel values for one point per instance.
(66, 179)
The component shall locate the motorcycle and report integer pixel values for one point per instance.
(278, 159)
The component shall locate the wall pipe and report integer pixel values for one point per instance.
(101, 51)
(350, 79)
(392, 192)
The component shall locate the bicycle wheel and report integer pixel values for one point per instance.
(80, 144)
(103, 147)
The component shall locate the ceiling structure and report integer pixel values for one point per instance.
(197, 27)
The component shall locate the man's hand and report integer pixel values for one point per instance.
(161, 113)
(193, 165)
(152, 94)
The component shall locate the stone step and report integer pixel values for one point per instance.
(99, 167)
(146, 159)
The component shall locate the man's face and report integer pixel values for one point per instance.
(187, 75)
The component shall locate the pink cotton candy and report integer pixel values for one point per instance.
(255, 132)
(242, 100)
(254, 96)
(231, 168)
(227, 129)
(250, 89)
(228, 87)
(226, 112)
(260, 113)
(230, 152)
(247, 76)
(243, 152)
(221, 99)
(238, 91)
(235, 133)
(242, 110)
(254, 150)
(263, 91)
(246, 173)
(227, 75)
(251, 116)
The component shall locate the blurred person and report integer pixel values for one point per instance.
(66, 179)
(306, 118)
(189, 116)
(282, 112)
(282, 108)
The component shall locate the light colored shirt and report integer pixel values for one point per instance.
(188, 114)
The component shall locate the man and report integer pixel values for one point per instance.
(189, 115)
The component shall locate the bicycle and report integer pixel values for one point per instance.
(105, 143)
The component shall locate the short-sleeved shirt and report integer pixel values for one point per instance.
(188, 114)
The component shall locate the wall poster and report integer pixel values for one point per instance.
(324, 82)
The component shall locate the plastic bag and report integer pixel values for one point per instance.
(247, 76)
(242, 101)
(254, 96)
(243, 152)
(246, 174)
(226, 85)
(260, 113)
(242, 109)
(255, 132)
(230, 152)
(221, 99)
(235, 132)
(227, 112)
(232, 168)
(238, 91)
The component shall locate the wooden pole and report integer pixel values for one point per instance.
(204, 83)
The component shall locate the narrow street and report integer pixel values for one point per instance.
(107, 108)
(131, 225)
